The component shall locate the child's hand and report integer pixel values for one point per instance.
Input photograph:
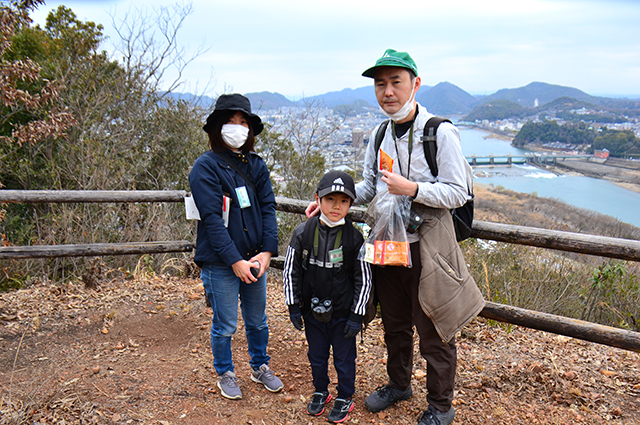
(351, 328)
(296, 320)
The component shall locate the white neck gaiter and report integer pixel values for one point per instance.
(234, 135)
(330, 223)
(404, 111)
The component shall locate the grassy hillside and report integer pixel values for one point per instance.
(574, 285)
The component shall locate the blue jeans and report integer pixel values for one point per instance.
(223, 289)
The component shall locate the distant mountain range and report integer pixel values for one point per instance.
(443, 99)
(447, 99)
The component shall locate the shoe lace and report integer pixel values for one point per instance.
(384, 392)
(267, 374)
(229, 381)
(429, 417)
(341, 404)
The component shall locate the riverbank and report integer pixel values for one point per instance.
(623, 173)
(615, 172)
(494, 134)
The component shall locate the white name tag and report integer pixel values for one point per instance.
(191, 209)
(368, 255)
(243, 197)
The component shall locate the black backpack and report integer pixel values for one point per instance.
(462, 216)
(350, 254)
(307, 248)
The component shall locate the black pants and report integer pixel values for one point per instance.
(397, 292)
(321, 337)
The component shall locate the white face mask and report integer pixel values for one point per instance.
(235, 135)
(330, 223)
(404, 111)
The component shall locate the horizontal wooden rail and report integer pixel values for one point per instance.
(625, 249)
(565, 241)
(561, 325)
(586, 331)
(94, 249)
(71, 196)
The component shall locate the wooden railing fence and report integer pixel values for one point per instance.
(551, 239)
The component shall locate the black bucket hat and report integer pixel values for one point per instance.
(234, 102)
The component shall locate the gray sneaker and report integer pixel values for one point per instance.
(265, 376)
(384, 397)
(228, 385)
(435, 417)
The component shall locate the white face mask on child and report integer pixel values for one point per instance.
(235, 135)
(327, 221)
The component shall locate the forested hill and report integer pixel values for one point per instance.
(542, 92)
(580, 135)
(565, 108)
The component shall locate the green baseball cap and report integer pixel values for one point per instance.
(393, 58)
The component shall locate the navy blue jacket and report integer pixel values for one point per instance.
(250, 230)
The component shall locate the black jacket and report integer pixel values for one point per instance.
(348, 286)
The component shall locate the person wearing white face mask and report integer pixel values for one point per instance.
(437, 294)
(237, 236)
(327, 290)
(235, 135)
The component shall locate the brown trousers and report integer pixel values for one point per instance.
(397, 292)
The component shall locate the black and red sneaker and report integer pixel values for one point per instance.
(318, 400)
(340, 411)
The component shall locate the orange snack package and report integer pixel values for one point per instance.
(386, 162)
(391, 253)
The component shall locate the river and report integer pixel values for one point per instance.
(590, 193)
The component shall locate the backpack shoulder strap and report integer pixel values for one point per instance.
(430, 144)
(307, 240)
(378, 142)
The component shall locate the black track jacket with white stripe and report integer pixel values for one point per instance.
(349, 292)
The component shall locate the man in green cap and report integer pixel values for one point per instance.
(437, 294)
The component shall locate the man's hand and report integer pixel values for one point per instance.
(312, 209)
(398, 185)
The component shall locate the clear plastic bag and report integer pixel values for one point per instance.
(387, 243)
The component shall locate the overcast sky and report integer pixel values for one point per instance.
(304, 48)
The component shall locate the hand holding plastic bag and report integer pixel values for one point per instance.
(387, 244)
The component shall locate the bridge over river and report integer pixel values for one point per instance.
(528, 158)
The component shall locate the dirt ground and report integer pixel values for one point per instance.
(136, 351)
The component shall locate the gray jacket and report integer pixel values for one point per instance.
(447, 293)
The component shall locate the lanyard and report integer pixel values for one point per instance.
(315, 241)
(410, 147)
